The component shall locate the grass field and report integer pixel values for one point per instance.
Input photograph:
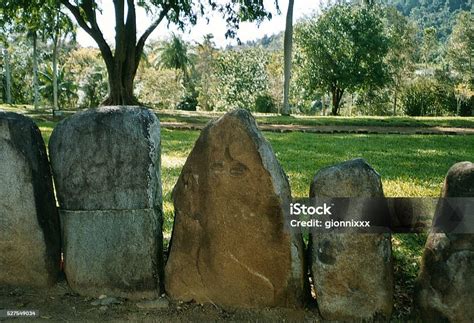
(410, 165)
(422, 122)
(203, 117)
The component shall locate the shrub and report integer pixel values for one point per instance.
(428, 97)
(466, 107)
(416, 98)
(189, 101)
(158, 88)
(374, 102)
(265, 104)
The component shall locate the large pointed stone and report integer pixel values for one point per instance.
(445, 290)
(29, 223)
(106, 165)
(352, 272)
(229, 245)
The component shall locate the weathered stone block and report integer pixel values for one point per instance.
(412, 214)
(445, 287)
(229, 245)
(106, 166)
(352, 272)
(29, 223)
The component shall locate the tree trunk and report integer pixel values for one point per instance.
(120, 89)
(55, 72)
(122, 67)
(122, 64)
(335, 103)
(121, 74)
(35, 72)
(8, 90)
(288, 47)
(336, 100)
(395, 93)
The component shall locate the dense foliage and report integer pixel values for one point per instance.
(350, 59)
(343, 50)
(432, 13)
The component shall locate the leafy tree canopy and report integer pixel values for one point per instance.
(461, 46)
(343, 49)
(122, 62)
(439, 14)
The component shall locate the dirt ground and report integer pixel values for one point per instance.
(61, 304)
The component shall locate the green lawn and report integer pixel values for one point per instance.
(201, 117)
(410, 165)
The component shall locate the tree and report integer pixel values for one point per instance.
(461, 46)
(429, 46)
(34, 38)
(288, 50)
(158, 87)
(20, 65)
(206, 53)
(38, 18)
(56, 82)
(344, 49)
(8, 82)
(439, 14)
(275, 69)
(86, 67)
(242, 77)
(6, 58)
(401, 35)
(60, 26)
(122, 63)
(26, 16)
(174, 54)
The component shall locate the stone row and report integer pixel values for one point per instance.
(230, 243)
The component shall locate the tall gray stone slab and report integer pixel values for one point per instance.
(106, 166)
(229, 245)
(352, 272)
(445, 286)
(29, 223)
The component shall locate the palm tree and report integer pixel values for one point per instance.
(287, 51)
(65, 87)
(174, 55)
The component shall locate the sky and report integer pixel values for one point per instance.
(216, 26)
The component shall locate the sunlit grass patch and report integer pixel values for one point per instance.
(399, 187)
(169, 161)
(202, 117)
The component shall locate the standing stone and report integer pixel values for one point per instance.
(29, 223)
(106, 166)
(352, 272)
(412, 214)
(446, 281)
(229, 245)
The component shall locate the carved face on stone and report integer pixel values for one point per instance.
(228, 244)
